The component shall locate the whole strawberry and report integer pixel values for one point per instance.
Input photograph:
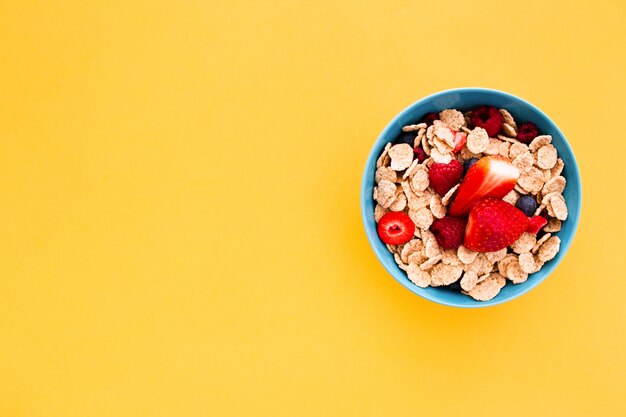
(445, 176)
(494, 224)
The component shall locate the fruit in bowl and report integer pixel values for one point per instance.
(467, 207)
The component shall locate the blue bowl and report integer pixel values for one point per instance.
(463, 99)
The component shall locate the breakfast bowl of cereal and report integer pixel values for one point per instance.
(471, 197)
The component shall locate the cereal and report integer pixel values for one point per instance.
(416, 258)
(431, 248)
(494, 257)
(442, 146)
(452, 118)
(418, 276)
(419, 181)
(515, 273)
(422, 218)
(425, 145)
(517, 148)
(439, 157)
(467, 154)
(401, 264)
(508, 118)
(466, 256)
(509, 130)
(449, 257)
(531, 181)
(545, 237)
(557, 203)
(558, 168)
(554, 185)
(511, 197)
(410, 169)
(549, 249)
(504, 148)
(469, 280)
(487, 289)
(527, 262)
(399, 203)
(412, 246)
(477, 140)
(381, 159)
(524, 244)
(386, 193)
(442, 274)
(504, 264)
(418, 139)
(436, 207)
(379, 211)
(446, 198)
(507, 139)
(385, 173)
(413, 128)
(539, 141)
(546, 157)
(524, 162)
(430, 263)
(481, 265)
(554, 225)
(401, 156)
(444, 133)
(493, 148)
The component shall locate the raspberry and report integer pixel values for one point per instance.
(419, 154)
(449, 231)
(430, 118)
(487, 117)
(445, 176)
(527, 132)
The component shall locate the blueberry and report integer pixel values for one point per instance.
(455, 286)
(406, 137)
(468, 164)
(527, 204)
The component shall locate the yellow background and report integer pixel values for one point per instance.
(180, 231)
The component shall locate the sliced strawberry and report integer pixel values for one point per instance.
(491, 176)
(395, 228)
(535, 224)
(494, 224)
(460, 138)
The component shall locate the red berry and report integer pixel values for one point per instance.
(494, 224)
(491, 176)
(395, 228)
(445, 176)
(430, 118)
(527, 132)
(420, 155)
(536, 224)
(449, 231)
(460, 138)
(487, 117)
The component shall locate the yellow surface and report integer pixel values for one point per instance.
(180, 231)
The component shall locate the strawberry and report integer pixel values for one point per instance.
(460, 138)
(491, 176)
(395, 228)
(445, 176)
(535, 224)
(494, 224)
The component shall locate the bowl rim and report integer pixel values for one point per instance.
(372, 236)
